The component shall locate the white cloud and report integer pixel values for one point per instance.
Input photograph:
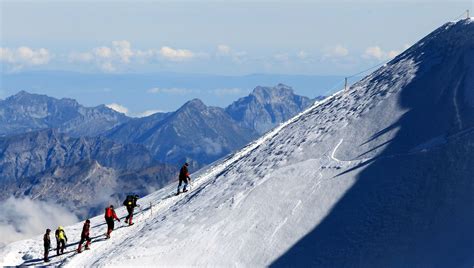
(107, 67)
(123, 50)
(392, 54)
(119, 108)
(376, 52)
(143, 56)
(227, 91)
(122, 109)
(6, 55)
(281, 57)
(103, 52)
(120, 54)
(24, 56)
(176, 54)
(239, 56)
(227, 51)
(338, 51)
(177, 91)
(114, 57)
(224, 49)
(302, 55)
(148, 113)
(212, 147)
(22, 218)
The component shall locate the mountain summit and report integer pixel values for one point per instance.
(202, 134)
(266, 107)
(194, 132)
(379, 175)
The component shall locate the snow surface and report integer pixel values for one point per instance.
(324, 187)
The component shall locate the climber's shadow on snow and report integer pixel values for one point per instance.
(40, 262)
(123, 217)
(70, 248)
(410, 209)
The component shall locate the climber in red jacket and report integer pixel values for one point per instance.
(110, 216)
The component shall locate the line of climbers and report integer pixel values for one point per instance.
(61, 239)
(110, 216)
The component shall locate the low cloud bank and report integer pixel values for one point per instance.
(22, 218)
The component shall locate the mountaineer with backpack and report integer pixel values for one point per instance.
(85, 236)
(110, 216)
(47, 244)
(183, 178)
(61, 240)
(130, 203)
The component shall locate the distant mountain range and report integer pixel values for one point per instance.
(194, 132)
(202, 134)
(59, 150)
(50, 165)
(132, 89)
(25, 112)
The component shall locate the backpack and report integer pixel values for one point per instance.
(128, 201)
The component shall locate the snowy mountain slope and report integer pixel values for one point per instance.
(376, 176)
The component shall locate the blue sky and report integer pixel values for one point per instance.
(217, 37)
(211, 37)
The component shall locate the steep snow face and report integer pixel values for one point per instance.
(376, 176)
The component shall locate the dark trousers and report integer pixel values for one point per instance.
(84, 238)
(130, 215)
(110, 225)
(185, 181)
(46, 253)
(61, 245)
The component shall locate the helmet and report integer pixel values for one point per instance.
(48, 230)
(60, 228)
(88, 221)
(186, 164)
